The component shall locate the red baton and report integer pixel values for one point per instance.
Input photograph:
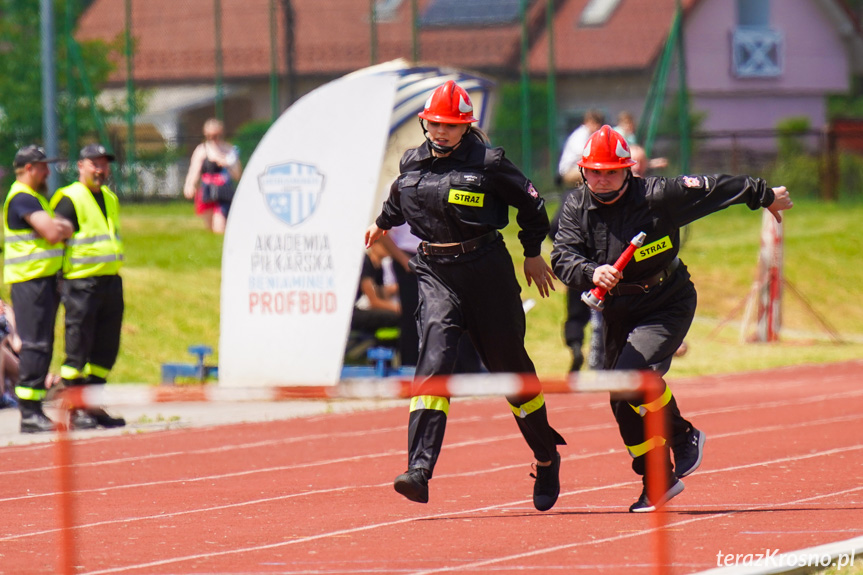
(595, 298)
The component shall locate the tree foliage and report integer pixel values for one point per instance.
(21, 80)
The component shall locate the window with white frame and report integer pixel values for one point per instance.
(757, 49)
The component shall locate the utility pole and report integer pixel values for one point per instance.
(220, 72)
(49, 89)
(289, 50)
(526, 145)
(274, 63)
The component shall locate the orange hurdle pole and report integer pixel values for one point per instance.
(63, 465)
(633, 384)
(656, 426)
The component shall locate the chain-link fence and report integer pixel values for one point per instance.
(143, 77)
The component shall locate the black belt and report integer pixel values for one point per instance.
(458, 248)
(644, 286)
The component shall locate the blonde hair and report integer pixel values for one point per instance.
(213, 125)
(480, 134)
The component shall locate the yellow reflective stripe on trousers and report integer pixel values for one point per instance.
(68, 372)
(642, 448)
(654, 405)
(430, 402)
(97, 370)
(30, 394)
(525, 409)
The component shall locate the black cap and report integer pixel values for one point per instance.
(31, 155)
(95, 151)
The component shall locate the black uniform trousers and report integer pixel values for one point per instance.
(94, 315)
(577, 318)
(479, 296)
(35, 303)
(642, 332)
(409, 342)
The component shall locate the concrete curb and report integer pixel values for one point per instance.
(179, 415)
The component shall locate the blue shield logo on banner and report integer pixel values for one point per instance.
(292, 191)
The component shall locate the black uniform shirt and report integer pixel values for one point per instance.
(20, 206)
(66, 208)
(463, 196)
(592, 234)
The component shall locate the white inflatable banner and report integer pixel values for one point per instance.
(294, 241)
(293, 247)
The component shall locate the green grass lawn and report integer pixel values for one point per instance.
(172, 277)
(822, 246)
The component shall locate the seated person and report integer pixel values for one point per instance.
(10, 345)
(375, 306)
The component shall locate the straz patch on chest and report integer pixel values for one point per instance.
(652, 249)
(464, 198)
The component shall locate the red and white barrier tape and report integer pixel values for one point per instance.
(506, 384)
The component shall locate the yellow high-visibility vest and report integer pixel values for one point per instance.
(95, 249)
(27, 254)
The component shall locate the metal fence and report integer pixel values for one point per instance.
(153, 125)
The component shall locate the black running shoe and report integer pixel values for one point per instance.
(80, 419)
(104, 419)
(688, 453)
(644, 505)
(546, 488)
(36, 422)
(413, 484)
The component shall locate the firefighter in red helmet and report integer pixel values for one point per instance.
(455, 192)
(650, 305)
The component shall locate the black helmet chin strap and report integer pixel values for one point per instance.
(437, 147)
(607, 197)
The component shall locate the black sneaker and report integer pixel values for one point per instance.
(644, 505)
(104, 419)
(413, 484)
(80, 419)
(688, 453)
(546, 488)
(36, 422)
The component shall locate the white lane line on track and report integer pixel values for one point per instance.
(826, 421)
(743, 507)
(257, 501)
(449, 514)
(672, 525)
(698, 387)
(478, 564)
(220, 449)
(327, 436)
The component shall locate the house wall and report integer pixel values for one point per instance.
(815, 64)
(611, 94)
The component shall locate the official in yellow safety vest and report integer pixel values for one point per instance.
(33, 256)
(91, 290)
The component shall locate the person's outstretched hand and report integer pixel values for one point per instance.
(781, 201)
(537, 270)
(373, 234)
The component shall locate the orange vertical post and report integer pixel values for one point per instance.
(63, 466)
(655, 425)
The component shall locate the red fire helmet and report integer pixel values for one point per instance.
(606, 149)
(449, 104)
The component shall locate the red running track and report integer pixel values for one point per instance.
(782, 470)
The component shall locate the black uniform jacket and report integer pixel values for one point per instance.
(592, 234)
(463, 196)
